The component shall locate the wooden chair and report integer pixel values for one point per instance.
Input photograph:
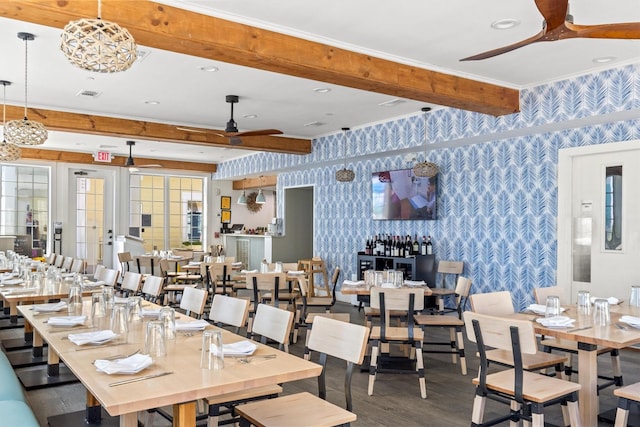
(147, 264)
(125, 260)
(50, 259)
(500, 304)
(131, 283)
(78, 266)
(232, 311)
(526, 392)
(410, 301)
(193, 301)
(67, 263)
(109, 276)
(153, 289)
(58, 261)
(305, 302)
(220, 278)
(626, 396)
(571, 347)
(98, 271)
(454, 323)
(446, 268)
(329, 337)
(260, 284)
(273, 323)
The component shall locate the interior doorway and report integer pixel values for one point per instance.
(299, 222)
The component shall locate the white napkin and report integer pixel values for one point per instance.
(90, 284)
(540, 308)
(237, 264)
(556, 321)
(97, 337)
(12, 281)
(612, 300)
(154, 312)
(415, 283)
(120, 300)
(195, 262)
(20, 291)
(66, 320)
(248, 271)
(51, 307)
(67, 274)
(129, 365)
(196, 325)
(352, 283)
(631, 320)
(240, 348)
(295, 272)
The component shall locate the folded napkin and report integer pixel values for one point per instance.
(66, 320)
(67, 274)
(196, 325)
(631, 320)
(540, 308)
(240, 348)
(237, 263)
(51, 307)
(415, 283)
(16, 281)
(612, 300)
(153, 312)
(90, 284)
(98, 337)
(20, 291)
(556, 321)
(248, 271)
(352, 283)
(129, 365)
(120, 300)
(196, 262)
(295, 272)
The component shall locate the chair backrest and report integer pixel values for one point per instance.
(449, 267)
(496, 331)
(290, 266)
(67, 263)
(266, 282)
(493, 303)
(152, 286)
(124, 257)
(98, 272)
(346, 341)
(51, 258)
(463, 287)
(58, 261)
(273, 323)
(229, 310)
(220, 274)
(148, 264)
(131, 282)
(77, 266)
(541, 294)
(186, 253)
(193, 301)
(387, 299)
(109, 276)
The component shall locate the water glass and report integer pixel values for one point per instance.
(634, 299)
(212, 353)
(109, 296)
(135, 309)
(601, 316)
(154, 342)
(553, 306)
(398, 279)
(279, 267)
(36, 280)
(74, 304)
(98, 309)
(584, 302)
(119, 322)
(168, 318)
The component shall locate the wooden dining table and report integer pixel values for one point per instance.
(589, 337)
(185, 384)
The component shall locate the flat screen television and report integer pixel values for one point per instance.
(399, 194)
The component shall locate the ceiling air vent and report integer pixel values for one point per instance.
(89, 93)
(314, 124)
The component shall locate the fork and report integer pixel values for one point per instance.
(621, 326)
(248, 359)
(118, 356)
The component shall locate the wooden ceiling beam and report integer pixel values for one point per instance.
(178, 30)
(137, 129)
(260, 182)
(119, 161)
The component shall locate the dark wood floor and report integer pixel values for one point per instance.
(396, 401)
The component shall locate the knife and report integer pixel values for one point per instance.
(145, 377)
(579, 329)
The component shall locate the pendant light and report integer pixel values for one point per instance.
(344, 174)
(25, 132)
(8, 152)
(260, 199)
(425, 168)
(97, 45)
(242, 200)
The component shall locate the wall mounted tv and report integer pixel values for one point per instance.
(399, 194)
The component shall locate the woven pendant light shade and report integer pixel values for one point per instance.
(344, 174)
(425, 169)
(25, 132)
(97, 45)
(9, 152)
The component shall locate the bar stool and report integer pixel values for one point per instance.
(312, 267)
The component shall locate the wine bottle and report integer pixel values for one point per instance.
(429, 246)
(416, 246)
(408, 247)
(423, 247)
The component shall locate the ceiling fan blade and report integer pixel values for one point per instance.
(235, 140)
(505, 49)
(150, 165)
(624, 30)
(554, 12)
(259, 132)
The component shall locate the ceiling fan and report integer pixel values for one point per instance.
(231, 131)
(558, 25)
(131, 164)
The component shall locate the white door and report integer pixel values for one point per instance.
(92, 199)
(599, 236)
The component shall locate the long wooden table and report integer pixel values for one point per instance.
(182, 388)
(588, 341)
(363, 290)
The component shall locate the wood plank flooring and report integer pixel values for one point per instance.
(396, 400)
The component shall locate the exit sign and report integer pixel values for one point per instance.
(103, 156)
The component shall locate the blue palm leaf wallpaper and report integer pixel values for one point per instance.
(497, 198)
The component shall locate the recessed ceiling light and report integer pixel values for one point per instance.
(105, 146)
(391, 103)
(151, 102)
(250, 116)
(328, 114)
(505, 24)
(322, 90)
(209, 68)
(603, 59)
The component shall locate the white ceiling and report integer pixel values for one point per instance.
(424, 33)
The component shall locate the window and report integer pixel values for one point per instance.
(167, 211)
(613, 208)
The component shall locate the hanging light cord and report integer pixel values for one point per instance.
(26, 58)
(99, 9)
(345, 130)
(4, 109)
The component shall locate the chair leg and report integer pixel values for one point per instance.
(420, 369)
(615, 367)
(477, 413)
(214, 415)
(622, 413)
(515, 409)
(460, 348)
(537, 415)
(373, 366)
(452, 342)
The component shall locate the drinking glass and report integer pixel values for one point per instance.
(601, 315)
(154, 344)
(212, 353)
(135, 309)
(74, 305)
(168, 318)
(279, 267)
(109, 296)
(634, 299)
(378, 278)
(553, 306)
(98, 309)
(398, 279)
(369, 278)
(119, 322)
(36, 280)
(584, 302)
